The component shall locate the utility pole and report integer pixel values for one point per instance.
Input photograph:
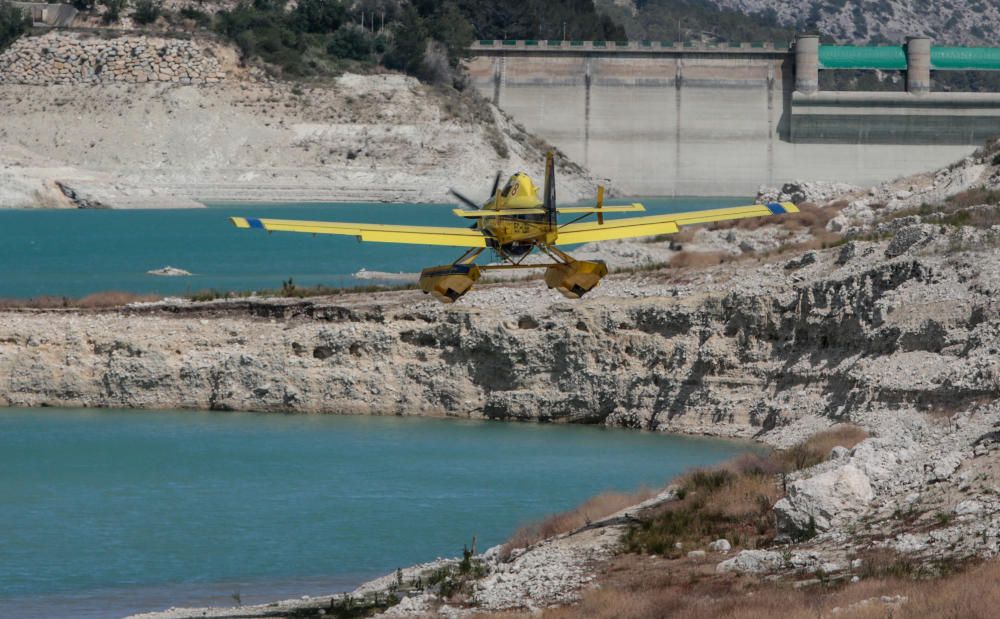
(679, 37)
(564, 31)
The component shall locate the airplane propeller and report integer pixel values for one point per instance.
(496, 184)
(465, 200)
(470, 203)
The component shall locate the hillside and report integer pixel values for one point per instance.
(122, 132)
(962, 22)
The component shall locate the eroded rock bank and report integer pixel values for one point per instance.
(739, 349)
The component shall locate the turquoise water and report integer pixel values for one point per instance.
(109, 512)
(74, 253)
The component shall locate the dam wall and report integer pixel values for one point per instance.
(680, 119)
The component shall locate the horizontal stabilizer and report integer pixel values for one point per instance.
(502, 212)
(630, 208)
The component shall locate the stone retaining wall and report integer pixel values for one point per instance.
(63, 58)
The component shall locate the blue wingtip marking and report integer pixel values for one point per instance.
(255, 223)
(776, 208)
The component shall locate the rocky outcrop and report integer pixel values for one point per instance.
(821, 502)
(753, 562)
(64, 58)
(733, 351)
(905, 346)
(961, 22)
(816, 192)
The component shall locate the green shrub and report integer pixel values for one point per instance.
(351, 42)
(13, 23)
(319, 16)
(114, 10)
(267, 33)
(200, 17)
(732, 503)
(146, 11)
(424, 38)
(409, 42)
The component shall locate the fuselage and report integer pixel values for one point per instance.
(515, 233)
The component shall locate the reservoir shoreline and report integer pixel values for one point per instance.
(328, 493)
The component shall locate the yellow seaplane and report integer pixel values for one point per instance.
(513, 223)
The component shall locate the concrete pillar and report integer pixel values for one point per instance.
(807, 63)
(918, 65)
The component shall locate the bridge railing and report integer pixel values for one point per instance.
(886, 57)
(625, 46)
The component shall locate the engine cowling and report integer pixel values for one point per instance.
(449, 282)
(577, 278)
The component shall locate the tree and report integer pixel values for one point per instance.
(409, 42)
(453, 30)
(13, 23)
(352, 42)
(319, 16)
(539, 19)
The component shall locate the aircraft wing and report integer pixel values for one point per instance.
(616, 229)
(734, 212)
(378, 233)
(664, 224)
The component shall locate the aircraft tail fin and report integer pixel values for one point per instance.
(549, 201)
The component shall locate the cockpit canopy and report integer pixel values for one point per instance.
(521, 186)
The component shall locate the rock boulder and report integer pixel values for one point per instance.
(826, 500)
(752, 562)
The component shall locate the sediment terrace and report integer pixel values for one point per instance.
(733, 350)
(203, 128)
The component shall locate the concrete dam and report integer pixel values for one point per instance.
(689, 119)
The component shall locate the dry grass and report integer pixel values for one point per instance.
(974, 197)
(699, 259)
(733, 502)
(817, 448)
(98, 300)
(667, 590)
(887, 563)
(976, 207)
(809, 217)
(675, 602)
(744, 497)
(600, 506)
